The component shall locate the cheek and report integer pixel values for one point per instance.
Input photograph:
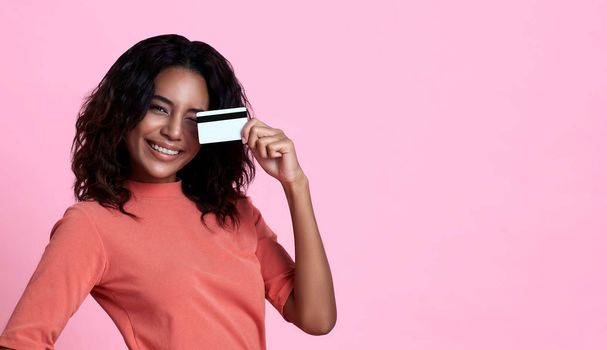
(196, 148)
(133, 140)
(192, 135)
(191, 127)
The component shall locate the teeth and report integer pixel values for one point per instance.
(163, 150)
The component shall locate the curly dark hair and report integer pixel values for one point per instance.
(214, 179)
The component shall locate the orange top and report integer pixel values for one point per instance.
(167, 281)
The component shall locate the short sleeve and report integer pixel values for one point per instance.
(277, 266)
(72, 263)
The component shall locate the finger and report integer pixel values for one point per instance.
(263, 144)
(246, 129)
(258, 131)
(280, 147)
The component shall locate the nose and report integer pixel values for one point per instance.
(172, 129)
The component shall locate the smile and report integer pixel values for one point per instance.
(163, 150)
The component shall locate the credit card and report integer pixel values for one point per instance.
(221, 125)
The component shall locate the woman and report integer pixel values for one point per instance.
(163, 235)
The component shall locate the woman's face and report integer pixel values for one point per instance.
(170, 123)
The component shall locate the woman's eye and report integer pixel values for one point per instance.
(158, 108)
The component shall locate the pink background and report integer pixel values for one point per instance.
(455, 150)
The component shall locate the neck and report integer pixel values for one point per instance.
(143, 189)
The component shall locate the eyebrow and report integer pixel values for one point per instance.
(169, 102)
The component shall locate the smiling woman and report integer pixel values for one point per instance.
(166, 139)
(138, 240)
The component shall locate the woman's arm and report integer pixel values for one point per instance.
(72, 263)
(311, 306)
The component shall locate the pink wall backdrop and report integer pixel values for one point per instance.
(455, 150)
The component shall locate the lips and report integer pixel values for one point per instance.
(165, 145)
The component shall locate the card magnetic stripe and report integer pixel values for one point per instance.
(218, 117)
